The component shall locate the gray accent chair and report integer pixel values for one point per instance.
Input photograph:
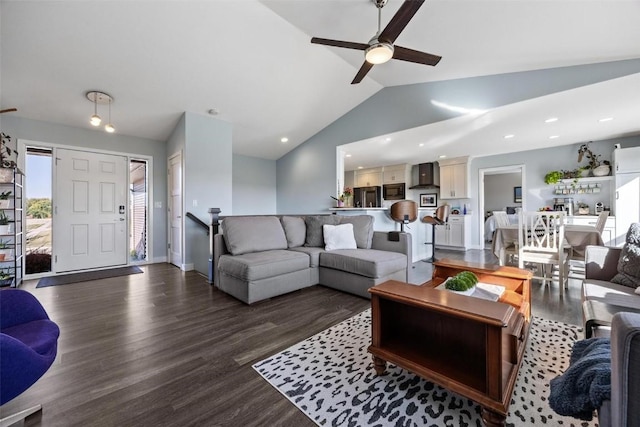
(614, 310)
(260, 257)
(602, 298)
(623, 410)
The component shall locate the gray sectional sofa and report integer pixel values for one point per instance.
(259, 257)
(613, 310)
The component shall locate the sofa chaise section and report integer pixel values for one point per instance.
(260, 275)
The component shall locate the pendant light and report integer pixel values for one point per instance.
(95, 119)
(109, 127)
(98, 97)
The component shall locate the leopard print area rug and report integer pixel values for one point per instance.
(330, 377)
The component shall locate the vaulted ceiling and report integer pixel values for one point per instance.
(252, 62)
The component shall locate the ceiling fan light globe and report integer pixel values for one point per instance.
(378, 53)
(109, 128)
(95, 120)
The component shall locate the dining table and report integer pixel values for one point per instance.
(576, 236)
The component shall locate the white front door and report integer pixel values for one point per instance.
(175, 210)
(89, 217)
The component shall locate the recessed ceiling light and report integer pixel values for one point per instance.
(347, 155)
(421, 144)
(509, 136)
(442, 156)
(551, 120)
(606, 119)
(554, 136)
(284, 139)
(387, 139)
(359, 167)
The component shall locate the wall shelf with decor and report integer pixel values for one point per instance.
(12, 231)
(590, 185)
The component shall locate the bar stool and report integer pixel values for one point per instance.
(404, 212)
(440, 217)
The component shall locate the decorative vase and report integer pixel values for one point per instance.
(349, 202)
(602, 170)
(584, 173)
(340, 204)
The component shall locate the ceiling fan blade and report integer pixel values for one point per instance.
(400, 20)
(410, 55)
(339, 43)
(8, 110)
(362, 72)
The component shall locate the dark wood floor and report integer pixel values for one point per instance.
(164, 348)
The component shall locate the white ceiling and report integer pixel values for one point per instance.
(253, 62)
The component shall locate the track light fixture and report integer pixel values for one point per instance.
(98, 97)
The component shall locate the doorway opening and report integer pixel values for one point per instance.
(138, 202)
(501, 189)
(38, 227)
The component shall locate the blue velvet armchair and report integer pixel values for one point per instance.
(28, 346)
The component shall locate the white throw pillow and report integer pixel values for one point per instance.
(339, 237)
(638, 290)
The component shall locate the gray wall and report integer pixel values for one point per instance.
(498, 191)
(254, 186)
(207, 180)
(83, 138)
(537, 164)
(306, 176)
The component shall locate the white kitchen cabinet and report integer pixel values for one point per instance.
(369, 177)
(456, 233)
(396, 174)
(627, 160)
(454, 177)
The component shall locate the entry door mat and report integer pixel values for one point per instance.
(330, 377)
(87, 276)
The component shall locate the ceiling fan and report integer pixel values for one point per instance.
(380, 48)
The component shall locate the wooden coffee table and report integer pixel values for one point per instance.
(468, 345)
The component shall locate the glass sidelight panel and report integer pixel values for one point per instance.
(38, 185)
(138, 189)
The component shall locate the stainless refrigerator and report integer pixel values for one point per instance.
(367, 197)
(627, 197)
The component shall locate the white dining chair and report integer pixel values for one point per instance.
(541, 241)
(601, 221)
(576, 263)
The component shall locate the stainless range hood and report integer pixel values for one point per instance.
(425, 175)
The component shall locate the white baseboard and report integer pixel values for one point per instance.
(159, 259)
(187, 267)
